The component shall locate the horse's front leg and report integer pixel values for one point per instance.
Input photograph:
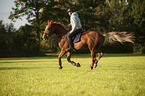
(59, 58)
(72, 62)
(93, 56)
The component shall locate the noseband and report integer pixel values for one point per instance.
(49, 31)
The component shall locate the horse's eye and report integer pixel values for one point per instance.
(48, 28)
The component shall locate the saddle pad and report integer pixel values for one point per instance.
(76, 38)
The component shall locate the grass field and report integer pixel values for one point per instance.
(116, 75)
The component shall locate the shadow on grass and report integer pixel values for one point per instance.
(21, 68)
(30, 58)
(123, 55)
(88, 56)
(55, 56)
(107, 55)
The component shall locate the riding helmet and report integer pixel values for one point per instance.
(70, 9)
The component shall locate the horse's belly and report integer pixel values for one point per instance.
(80, 46)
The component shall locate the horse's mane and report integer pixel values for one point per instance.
(61, 25)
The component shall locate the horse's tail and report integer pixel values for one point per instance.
(121, 37)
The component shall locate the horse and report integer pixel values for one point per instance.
(89, 40)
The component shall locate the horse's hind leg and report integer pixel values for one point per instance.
(100, 54)
(72, 62)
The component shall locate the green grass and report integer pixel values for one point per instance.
(116, 75)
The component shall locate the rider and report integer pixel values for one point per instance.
(76, 27)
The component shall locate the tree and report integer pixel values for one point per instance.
(87, 12)
(7, 34)
(25, 41)
(137, 14)
(116, 14)
(57, 11)
(98, 15)
(32, 9)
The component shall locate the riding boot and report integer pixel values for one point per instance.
(70, 48)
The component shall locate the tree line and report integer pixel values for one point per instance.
(99, 15)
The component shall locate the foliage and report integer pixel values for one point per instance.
(6, 38)
(137, 14)
(138, 19)
(40, 76)
(99, 15)
(31, 8)
(25, 41)
(49, 45)
(138, 48)
(17, 43)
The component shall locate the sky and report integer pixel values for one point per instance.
(5, 9)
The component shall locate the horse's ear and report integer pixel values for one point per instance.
(50, 23)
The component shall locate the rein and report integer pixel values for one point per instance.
(56, 28)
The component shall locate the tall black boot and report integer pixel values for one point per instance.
(70, 48)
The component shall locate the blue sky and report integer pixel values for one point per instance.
(5, 8)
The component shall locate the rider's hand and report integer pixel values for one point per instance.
(68, 25)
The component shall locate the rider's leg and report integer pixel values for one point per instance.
(69, 36)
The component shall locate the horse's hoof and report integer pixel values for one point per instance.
(91, 67)
(73, 63)
(78, 65)
(95, 65)
(60, 67)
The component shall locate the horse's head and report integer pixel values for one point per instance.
(54, 28)
(48, 30)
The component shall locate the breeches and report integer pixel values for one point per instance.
(69, 35)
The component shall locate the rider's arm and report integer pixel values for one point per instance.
(73, 23)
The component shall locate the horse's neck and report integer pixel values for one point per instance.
(60, 33)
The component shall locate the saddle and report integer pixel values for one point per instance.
(77, 37)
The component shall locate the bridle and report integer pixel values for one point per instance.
(47, 34)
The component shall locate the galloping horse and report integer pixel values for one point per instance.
(89, 40)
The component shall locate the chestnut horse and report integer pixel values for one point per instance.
(89, 40)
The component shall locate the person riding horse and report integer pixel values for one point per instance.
(76, 27)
